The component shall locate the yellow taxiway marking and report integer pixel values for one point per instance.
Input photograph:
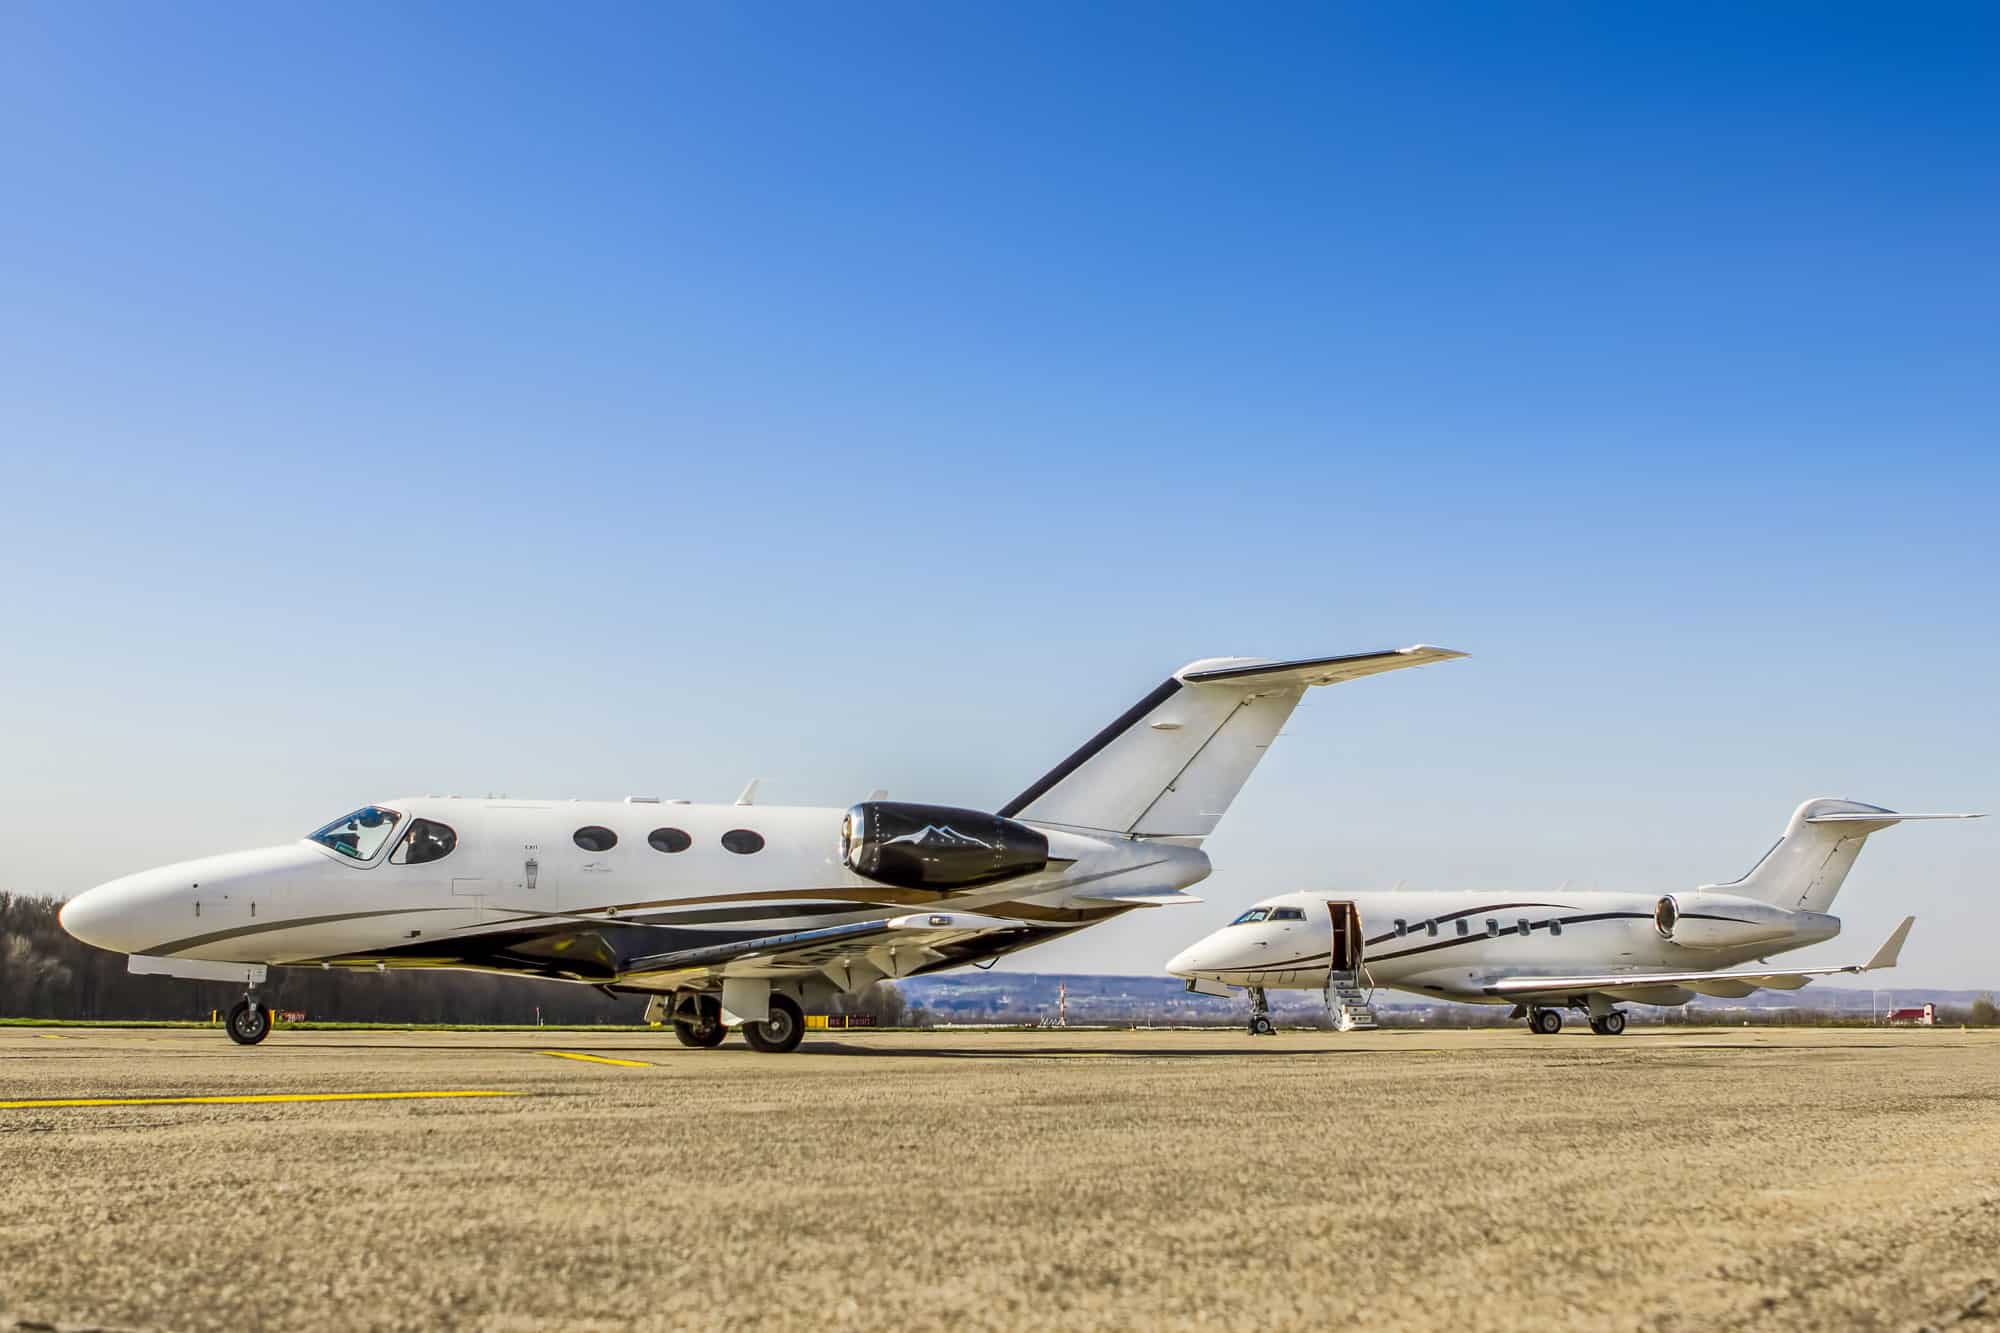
(598, 1059)
(252, 1098)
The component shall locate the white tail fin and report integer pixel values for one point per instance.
(1169, 767)
(1805, 869)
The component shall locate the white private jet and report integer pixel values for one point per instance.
(728, 914)
(1543, 953)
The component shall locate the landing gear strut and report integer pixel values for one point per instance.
(249, 1021)
(1260, 1014)
(782, 1031)
(705, 1029)
(1547, 1022)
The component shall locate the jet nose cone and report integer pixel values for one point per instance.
(1187, 962)
(87, 916)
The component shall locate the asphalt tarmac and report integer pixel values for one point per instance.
(1668, 1179)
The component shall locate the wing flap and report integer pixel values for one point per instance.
(893, 945)
(1138, 897)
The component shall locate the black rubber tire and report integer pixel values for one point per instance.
(1260, 1026)
(1547, 1022)
(705, 1035)
(1612, 1024)
(782, 1031)
(248, 1023)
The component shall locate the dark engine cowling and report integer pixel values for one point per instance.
(936, 846)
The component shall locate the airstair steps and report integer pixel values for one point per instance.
(1347, 1004)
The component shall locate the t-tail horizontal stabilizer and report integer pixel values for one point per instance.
(1805, 868)
(1172, 763)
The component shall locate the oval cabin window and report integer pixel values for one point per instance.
(595, 838)
(669, 840)
(743, 841)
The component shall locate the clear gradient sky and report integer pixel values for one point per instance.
(641, 398)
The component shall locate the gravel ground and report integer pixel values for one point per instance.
(1669, 1179)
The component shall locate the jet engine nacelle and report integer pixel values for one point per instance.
(1722, 921)
(937, 846)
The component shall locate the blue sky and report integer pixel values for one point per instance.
(643, 398)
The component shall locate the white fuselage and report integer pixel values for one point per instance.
(521, 869)
(1453, 945)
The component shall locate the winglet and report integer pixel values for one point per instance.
(1892, 947)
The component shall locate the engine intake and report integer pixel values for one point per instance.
(937, 846)
(1722, 921)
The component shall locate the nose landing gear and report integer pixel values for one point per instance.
(249, 1021)
(1260, 1014)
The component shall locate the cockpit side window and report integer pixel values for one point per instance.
(361, 834)
(426, 841)
(1254, 914)
(1288, 914)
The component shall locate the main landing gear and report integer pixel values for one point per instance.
(705, 1029)
(782, 1031)
(1260, 1014)
(1548, 1022)
(249, 1021)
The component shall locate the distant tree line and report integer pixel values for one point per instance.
(46, 973)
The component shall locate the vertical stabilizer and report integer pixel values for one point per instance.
(1805, 869)
(1171, 764)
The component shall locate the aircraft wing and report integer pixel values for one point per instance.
(1726, 985)
(889, 947)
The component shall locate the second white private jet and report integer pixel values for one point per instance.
(728, 914)
(1543, 953)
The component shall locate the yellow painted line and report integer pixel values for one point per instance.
(598, 1059)
(252, 1098)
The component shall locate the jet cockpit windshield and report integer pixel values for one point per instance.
(361, 834)
(1254, 914)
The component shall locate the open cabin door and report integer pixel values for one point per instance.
(1346, 1003)
(1346, 946)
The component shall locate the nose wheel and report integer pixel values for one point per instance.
(249, 1022)
(1260, 1014)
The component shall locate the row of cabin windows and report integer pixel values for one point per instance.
(1430, 928)
(597, 838)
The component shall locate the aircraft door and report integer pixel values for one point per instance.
(1346, 944)
(524, 877)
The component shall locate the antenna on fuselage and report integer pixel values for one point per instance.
(749, 795)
